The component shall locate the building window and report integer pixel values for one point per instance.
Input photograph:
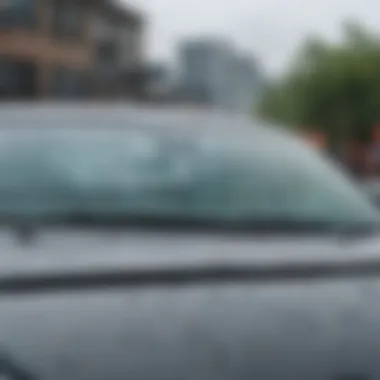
(69, 19)
(17, 79)
(69, 83)
(18, 14)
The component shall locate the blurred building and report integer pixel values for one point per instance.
(213, 73)
(245, 86)
(119, 67)
(45, 47)
(205, 65)
(56, 49)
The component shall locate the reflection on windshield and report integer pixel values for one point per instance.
(9, 370)
(121, 172)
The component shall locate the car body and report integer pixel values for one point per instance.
(207, 294)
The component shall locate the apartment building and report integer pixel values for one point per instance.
(45, 47)
(56, 49)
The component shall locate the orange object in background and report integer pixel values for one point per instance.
(316, 139)
(376, 133)
(360, 159)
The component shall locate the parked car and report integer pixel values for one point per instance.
(150, 244)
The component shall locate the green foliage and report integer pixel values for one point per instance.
(333, 88)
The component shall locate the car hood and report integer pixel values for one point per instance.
(293, 330)
(77, 251)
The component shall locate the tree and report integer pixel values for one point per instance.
(334, 88)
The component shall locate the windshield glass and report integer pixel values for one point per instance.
(119, 172)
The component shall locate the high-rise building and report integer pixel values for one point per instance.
(204, 67)
(214, 73)
(244, 84)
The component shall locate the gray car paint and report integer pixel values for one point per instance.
(313, 329)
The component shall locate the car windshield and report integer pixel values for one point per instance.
(119, 172)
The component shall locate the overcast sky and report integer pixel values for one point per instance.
(268, 29)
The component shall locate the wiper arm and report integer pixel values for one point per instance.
(25, 229)
(25, 233)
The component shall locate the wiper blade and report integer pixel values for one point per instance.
(186, 222)
(358, 230)
(26, 227)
